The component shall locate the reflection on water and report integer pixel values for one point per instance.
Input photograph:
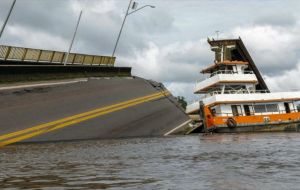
(244, 161)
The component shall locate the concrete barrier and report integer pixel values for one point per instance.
(18, 73)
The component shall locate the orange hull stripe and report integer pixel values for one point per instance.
(254, 119)
(258, 118)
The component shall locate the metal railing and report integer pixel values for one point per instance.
(11, 53)
(229, 72)
(241, 91)
(227, 114)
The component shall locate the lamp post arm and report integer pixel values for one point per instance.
(139, 9)
(120, 32)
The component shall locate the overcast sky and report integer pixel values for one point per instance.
(168, 43)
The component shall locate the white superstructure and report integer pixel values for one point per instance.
(234, 86)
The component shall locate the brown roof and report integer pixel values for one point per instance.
(226, 62)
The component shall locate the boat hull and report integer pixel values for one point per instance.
(275, 127)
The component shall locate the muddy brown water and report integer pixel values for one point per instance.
(231, 161)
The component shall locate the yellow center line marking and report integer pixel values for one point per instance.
(68, 121)
(3, 137)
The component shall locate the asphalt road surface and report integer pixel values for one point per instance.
(23, 108)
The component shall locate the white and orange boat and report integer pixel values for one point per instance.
(237, 99)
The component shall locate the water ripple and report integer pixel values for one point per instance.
(244, 161)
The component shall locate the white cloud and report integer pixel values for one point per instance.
(176, 62)
(94, 6)
(288, 80)
(183, 89)
(35, 39)
(274, 49)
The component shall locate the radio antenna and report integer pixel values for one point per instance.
(217, 32)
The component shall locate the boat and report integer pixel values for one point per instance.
(43, 100)
(235, 97)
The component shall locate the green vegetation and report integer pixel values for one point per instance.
(181, 101)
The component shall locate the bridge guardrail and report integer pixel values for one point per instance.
(11, 53)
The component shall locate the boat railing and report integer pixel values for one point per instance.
(229, 72)
(227, 114)
(241, 91)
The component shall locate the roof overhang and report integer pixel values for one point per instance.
(210, 68)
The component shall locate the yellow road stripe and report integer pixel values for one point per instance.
(46, 130)
(3, 137)
(51, 126)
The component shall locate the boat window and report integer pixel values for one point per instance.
(236, 110)
(297, 105)
(229, 67)
(262, 108)
(287, 107)
(218, 54)
(227, 53)
(213, 112)
(248, 110)
(236, 56)
(272, 107)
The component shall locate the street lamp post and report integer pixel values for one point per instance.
(73, 38)
(6, 20)
(127, 13)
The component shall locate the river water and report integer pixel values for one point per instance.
(233, 161)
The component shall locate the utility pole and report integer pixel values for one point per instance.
(74, 35)
(6, 20)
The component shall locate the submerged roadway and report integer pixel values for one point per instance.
(94, 108)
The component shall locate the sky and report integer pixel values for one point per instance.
(168, 43)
